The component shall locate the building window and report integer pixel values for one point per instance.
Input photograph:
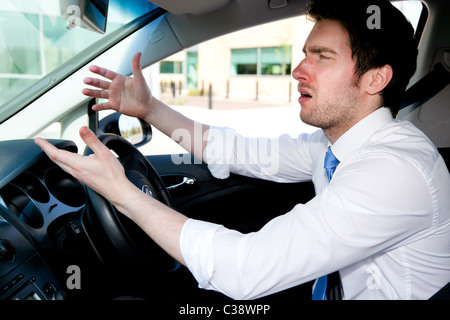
(261, 61)
(191, 68)
(276, 60)
(171, 67)
(244, 61)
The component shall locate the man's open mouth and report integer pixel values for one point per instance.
(306, 95)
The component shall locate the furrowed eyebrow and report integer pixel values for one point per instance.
(318, 49)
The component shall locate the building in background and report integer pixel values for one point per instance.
(255, 63)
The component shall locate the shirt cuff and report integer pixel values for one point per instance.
(219, 151)
(197, 249)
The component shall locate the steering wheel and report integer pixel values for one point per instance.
(129, 241)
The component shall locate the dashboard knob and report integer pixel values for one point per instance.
(7, 250)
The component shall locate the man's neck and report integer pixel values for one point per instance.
(333, 133)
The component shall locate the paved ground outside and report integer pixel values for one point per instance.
(222, 103)
(247, 116)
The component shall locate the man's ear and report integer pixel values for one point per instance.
(378, 79)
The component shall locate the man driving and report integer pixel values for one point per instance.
(381, 214)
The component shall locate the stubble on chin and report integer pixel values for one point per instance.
(333, 118)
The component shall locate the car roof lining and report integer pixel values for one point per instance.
(195, 7)
(237, 15)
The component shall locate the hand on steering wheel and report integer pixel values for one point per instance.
(108, 181)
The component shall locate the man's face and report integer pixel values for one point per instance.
(329, 95)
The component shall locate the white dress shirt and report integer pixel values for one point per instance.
(383, 221)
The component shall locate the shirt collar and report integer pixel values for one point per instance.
(357, 135)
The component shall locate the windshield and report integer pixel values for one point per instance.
(35, 44)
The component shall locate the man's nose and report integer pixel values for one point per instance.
(300, 73)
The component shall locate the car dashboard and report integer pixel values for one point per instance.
(39, 216)
(47, 227)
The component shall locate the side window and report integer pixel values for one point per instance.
(241, 80)
(415, 12)
(249, 75)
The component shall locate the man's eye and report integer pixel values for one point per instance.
(322, 57)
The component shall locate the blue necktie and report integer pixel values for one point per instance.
(330, 165)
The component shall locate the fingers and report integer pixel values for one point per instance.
(136, 67)
(101, 84)
(108, 74)
(92, 141)
(102, 106)
(101, 171)
(62, 158)
(46, 146)
(95, 82)
(70, 161)
(102, 94)
(98, 83)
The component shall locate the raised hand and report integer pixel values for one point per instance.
(132, 96)
(127, 95)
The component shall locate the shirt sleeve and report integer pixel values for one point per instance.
(282, 159)
(196, 245)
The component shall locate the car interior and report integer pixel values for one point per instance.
(59, 240)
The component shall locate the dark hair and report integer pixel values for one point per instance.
(389, 41)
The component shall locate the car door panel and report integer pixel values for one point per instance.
(238, 202)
